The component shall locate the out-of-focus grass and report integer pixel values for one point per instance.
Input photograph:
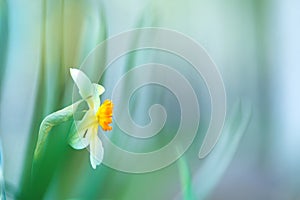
(241, 36)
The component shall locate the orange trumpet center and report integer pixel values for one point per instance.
(104, 115)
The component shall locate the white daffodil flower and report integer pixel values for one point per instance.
(87, 127)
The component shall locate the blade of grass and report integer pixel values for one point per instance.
(186, 180)
(215, 164)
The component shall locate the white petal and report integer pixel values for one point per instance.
(79, 143)
(81, 137)
(88, 120)
(86, 89)
(99, 89)
(96, 151)
(96, 101)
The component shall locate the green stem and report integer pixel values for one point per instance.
(49, 122)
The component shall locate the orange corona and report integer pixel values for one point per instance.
(104, 115)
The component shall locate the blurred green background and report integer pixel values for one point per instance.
(255, 45)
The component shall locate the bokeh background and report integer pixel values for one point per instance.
(255, 45)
